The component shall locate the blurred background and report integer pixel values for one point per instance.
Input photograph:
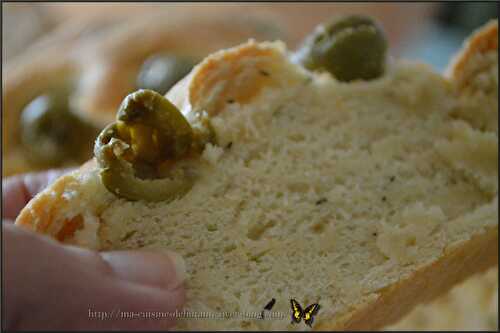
(427, 31)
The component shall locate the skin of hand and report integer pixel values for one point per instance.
(50, 286)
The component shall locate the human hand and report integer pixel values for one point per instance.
(19, 189)
(51, 286)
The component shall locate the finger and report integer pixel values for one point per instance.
(165, 271)
(18, 190)
(148, 291)
(66, 287)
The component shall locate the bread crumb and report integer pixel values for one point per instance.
(212, 153)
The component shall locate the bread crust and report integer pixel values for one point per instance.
(457, 262)
(482, 41)
(120, 54)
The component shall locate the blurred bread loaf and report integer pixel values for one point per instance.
(367, 197)
(96, 63)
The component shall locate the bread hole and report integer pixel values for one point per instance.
(345, 265)
(318, 227)
(128, 235)
(257, 257)
(257, 231)
(412, 241)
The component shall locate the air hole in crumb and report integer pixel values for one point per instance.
(230, 101)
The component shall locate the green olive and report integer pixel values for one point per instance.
(171, 134)
(145, 154)
(52, 135)
(121, 177)
(161, 72)
(350, 48)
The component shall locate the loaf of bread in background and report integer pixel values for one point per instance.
(368, 197)
(98, 62)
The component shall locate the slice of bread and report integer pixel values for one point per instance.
(367, 197)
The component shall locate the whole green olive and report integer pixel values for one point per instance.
(143, 154)
(349, 48)
(161, 72)
(52, 135)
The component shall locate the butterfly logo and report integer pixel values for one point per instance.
(308, 314)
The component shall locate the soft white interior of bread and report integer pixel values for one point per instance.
(326, 193)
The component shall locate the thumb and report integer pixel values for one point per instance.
(70, 288)
(142, 291)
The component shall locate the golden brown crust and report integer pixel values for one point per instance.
(38, 215)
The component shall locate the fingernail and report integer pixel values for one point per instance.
(164, 270)
(180, 267)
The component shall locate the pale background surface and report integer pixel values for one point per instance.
(23, 23)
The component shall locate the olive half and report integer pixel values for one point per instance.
(350, 48)
(52, 134)
(145, 154)
(162, 72)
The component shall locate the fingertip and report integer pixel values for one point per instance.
(162, 270)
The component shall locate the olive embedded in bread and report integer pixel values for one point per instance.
(161, 72)
(349, 48)
(51, 134)
(141, 153)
